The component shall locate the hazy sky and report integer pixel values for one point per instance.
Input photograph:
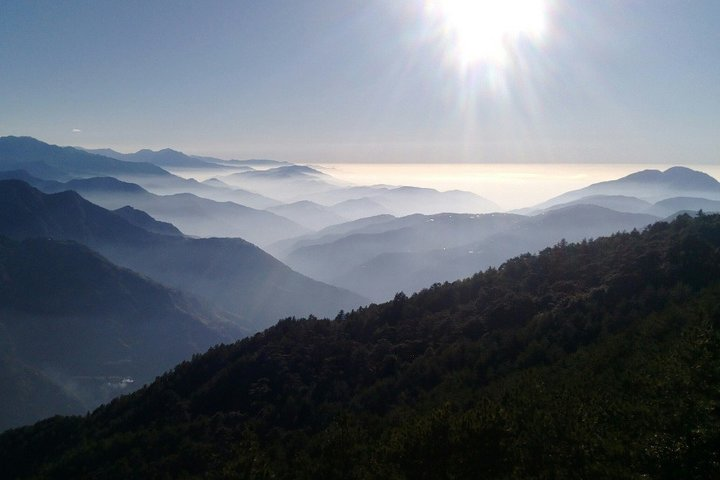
(364, 81)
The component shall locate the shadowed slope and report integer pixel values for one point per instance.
(73, 325)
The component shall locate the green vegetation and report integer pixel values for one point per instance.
(599, 359)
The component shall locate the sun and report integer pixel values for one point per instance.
(487, 31)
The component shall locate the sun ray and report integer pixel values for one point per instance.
(487, 31)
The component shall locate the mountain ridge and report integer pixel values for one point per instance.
(65, 162)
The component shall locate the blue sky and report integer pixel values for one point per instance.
(362, 81)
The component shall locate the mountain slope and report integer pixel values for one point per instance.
(237, 275)
(29, 395)
(73, 321)
(591, 360)
(143, 220)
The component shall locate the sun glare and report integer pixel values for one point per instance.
(487, 31)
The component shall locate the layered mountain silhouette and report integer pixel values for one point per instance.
(220, 193)
(404, 200)
(619, 203)
(648, 185)
(327, 234)
(590, 360)
(51, 162)
(358, 208)
(649, 191)
(288, 183)
(309, 214)
(77, 330)
(192, 214)
(381, 257)
(166, 157)
(146, 222)
(670, 206)
(232, 273)
(415, 233)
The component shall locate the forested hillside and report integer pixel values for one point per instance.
(597, 359)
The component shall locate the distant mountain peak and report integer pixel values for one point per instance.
(674, 176)
(650, 185)
(688, 175)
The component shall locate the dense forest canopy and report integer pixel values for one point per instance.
(597, 359)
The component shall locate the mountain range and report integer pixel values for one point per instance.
(232, 273)
(403, 200)
(166, 157)
(51, 162)
(287, 182)
(648, 185)
(382, 257)
(193, 215)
